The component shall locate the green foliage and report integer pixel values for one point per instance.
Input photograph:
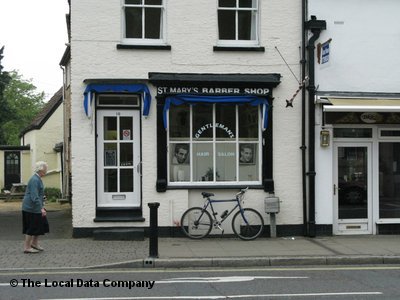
(23, 103)
(4, 107)
(52, 194)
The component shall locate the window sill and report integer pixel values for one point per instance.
(213, 186)
(145, 47)
(229, 48)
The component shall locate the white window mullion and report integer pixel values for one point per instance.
(118, 155)
(191, 142)
(214, 145)
(237, 142)
(236, 25)
(143, 23)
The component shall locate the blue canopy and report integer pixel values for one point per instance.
(193, 99)
(116, 88)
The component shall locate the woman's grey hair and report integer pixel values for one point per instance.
(40, 165)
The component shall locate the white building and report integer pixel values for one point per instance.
(150, 78)
(358, 114)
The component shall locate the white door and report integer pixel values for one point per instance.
(352, 188)
(118, 158)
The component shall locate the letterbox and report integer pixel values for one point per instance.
(272, 205)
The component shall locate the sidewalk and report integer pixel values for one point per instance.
(63, 252)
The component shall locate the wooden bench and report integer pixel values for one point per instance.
(17, 190)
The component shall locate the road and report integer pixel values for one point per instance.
(350, 282)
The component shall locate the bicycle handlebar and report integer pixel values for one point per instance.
(242, 191)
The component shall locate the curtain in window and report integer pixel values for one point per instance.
(193, 99)
(91, 89)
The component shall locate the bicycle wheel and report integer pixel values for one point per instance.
(251, 229)
(196, 223)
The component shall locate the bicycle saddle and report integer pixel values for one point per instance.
(206, 195)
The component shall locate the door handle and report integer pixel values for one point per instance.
(335, 188)
(139, 168)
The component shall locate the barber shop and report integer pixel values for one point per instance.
(169, 139)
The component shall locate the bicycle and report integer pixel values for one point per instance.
(247, 223)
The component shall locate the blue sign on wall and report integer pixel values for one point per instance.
(325, 53)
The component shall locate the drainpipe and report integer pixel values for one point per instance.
(303, 115)
(315, 26)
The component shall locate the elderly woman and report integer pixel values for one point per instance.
(34, 219)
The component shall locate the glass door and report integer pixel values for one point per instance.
(118, 158)
(352, 188)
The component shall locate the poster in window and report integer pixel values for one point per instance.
(181, 154)
(247, 154)
(110, 158)
(126, 134)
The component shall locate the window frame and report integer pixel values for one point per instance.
(236, 42)
(143, 40)
(191, 140)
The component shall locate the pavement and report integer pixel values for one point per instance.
(64, 252)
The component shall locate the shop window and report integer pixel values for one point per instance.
(214, 143)
(389, 180)
(144, 21)
(238, 22)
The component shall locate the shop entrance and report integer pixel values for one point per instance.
(352, 188)
(118, 159)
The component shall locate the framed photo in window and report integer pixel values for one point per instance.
(247, 154)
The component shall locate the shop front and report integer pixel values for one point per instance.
(202, 131)
(358, 169)
(214, 130)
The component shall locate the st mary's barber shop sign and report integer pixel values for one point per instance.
(194, 90)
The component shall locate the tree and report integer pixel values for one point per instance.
(23, 102)
(4, 107)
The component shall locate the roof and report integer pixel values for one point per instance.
(45, 113)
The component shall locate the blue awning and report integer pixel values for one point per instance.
(93, 88)
(194, 99)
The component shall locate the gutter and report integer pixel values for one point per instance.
(315, 26)
(303, 116)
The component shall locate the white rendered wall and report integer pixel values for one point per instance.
(363, 58)
(192, 33)
(365, 45)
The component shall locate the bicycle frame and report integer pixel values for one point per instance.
(209, 203)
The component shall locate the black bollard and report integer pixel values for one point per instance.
(153, 233)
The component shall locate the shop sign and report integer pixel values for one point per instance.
(325, 53)
(370, 117)
(162, 90)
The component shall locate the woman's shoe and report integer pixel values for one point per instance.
(31, 250)
(37, 248)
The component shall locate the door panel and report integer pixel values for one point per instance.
(118, 158)
(352, 188)
(12, 168)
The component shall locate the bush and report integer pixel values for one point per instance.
(52, 194)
